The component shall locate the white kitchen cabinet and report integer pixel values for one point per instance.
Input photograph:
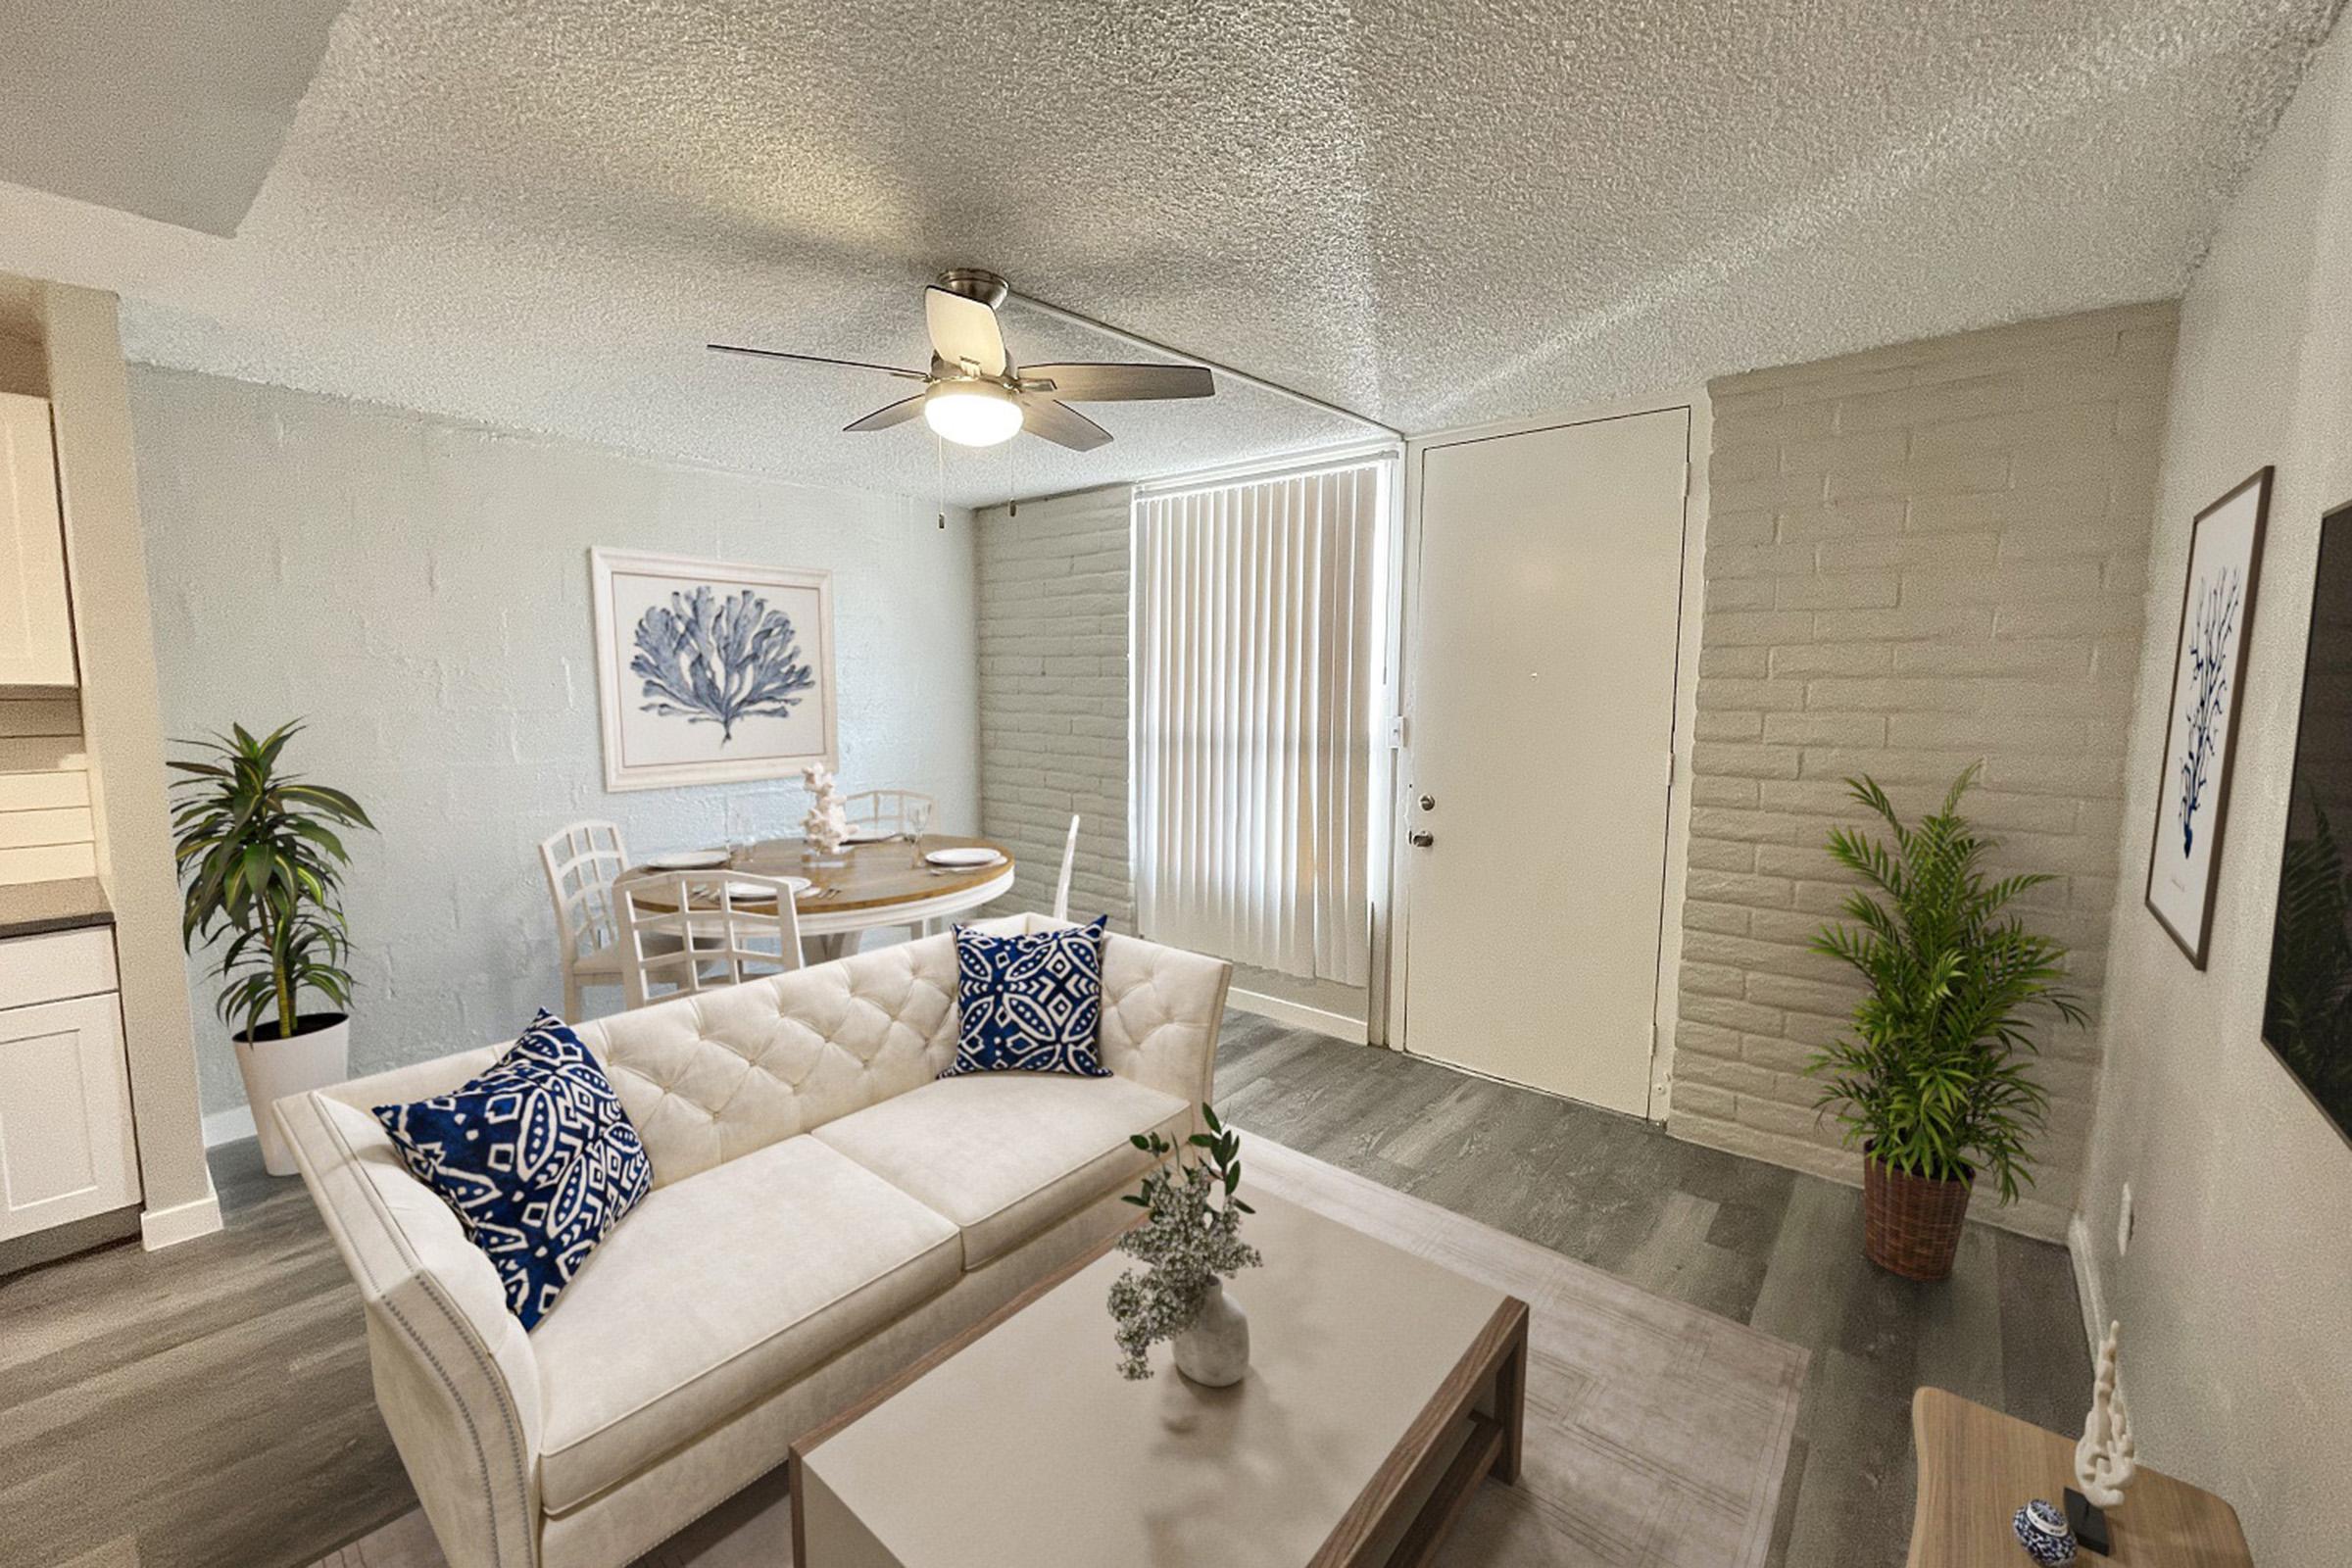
(66, 1145)
(36, 621)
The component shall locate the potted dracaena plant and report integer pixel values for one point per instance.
(261, 865)
(1935, 1083)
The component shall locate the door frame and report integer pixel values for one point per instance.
(1389, 1003)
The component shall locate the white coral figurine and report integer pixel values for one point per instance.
(2108, 1457)
(827, 826)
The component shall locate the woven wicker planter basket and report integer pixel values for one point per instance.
(1911, 1224)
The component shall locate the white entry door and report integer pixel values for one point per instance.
(1549, 590)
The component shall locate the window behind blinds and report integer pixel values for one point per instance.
(1256, 671)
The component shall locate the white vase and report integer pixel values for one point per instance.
(1214, 1352)
(316, 1058)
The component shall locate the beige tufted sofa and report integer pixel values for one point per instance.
(824, 1211)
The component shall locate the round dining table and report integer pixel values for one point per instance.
(861, 886)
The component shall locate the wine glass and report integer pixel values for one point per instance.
(917, 820)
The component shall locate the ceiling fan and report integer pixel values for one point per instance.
(974, 395)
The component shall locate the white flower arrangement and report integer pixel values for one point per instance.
(1186, 1242)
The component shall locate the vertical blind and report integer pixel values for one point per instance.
(1257, 658)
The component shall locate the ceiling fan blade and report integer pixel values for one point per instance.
(1122, 383)
(895, 413)
(1067, 427)
(964, 331)
(816, 358)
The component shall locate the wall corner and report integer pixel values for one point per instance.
(122, 725)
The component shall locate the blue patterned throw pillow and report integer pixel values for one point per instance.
(1029, 1004)
(535, 1156)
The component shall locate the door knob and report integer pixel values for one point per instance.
(1420, 838)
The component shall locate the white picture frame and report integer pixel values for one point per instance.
(2204, 700)
(711, 671)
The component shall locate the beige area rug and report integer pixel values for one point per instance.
(1656, 1432)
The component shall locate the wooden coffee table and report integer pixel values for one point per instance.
(1382, 1390)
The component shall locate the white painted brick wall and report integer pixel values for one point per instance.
(1053, 630)
(1917, 557)
(418, 591)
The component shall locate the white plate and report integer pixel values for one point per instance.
(868, 833)
(795, 884)
(688, 860)
(965, 859)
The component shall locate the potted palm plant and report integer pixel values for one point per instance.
(262, 867)
(1935, 1083)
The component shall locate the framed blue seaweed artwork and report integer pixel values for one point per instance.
(2208, 691)
(710, 672)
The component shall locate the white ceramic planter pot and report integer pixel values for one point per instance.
(318, 1055)
(1214, 1352)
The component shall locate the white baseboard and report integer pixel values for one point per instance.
(181, 1222)
(2088, 1289)
(1322, 1020)
(228, 1126)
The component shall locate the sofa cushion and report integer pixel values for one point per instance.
(1007, 1154)
(536, 1158)
(720, 1290)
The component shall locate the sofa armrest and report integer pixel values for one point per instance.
(454, 1375)
(1161, 1010)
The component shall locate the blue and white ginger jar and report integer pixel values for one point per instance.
(2046, 1535)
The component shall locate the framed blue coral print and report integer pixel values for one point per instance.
(2208, 690)
(709, 671)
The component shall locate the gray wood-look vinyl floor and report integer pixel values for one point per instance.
(209, 1406)
(1773, 1249)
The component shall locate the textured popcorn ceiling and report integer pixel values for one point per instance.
(532, 213)
(174, 108)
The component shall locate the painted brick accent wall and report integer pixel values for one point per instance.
(417, 590)
(1052, 625)
(1917, 557)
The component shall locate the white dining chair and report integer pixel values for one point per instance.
(581, 862)
(685, 932)
(886, 809)
(1070, 858)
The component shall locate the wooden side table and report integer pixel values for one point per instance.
(1977, 1467)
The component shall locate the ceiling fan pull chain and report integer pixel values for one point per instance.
(939, 457)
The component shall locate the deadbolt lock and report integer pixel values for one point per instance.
(1429, 803)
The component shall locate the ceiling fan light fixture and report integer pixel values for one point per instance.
(972, 415)
(975, 396)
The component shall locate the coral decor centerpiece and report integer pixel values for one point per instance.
(827, 826)
(1190, 1244)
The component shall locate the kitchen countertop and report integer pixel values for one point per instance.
(30, 909)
